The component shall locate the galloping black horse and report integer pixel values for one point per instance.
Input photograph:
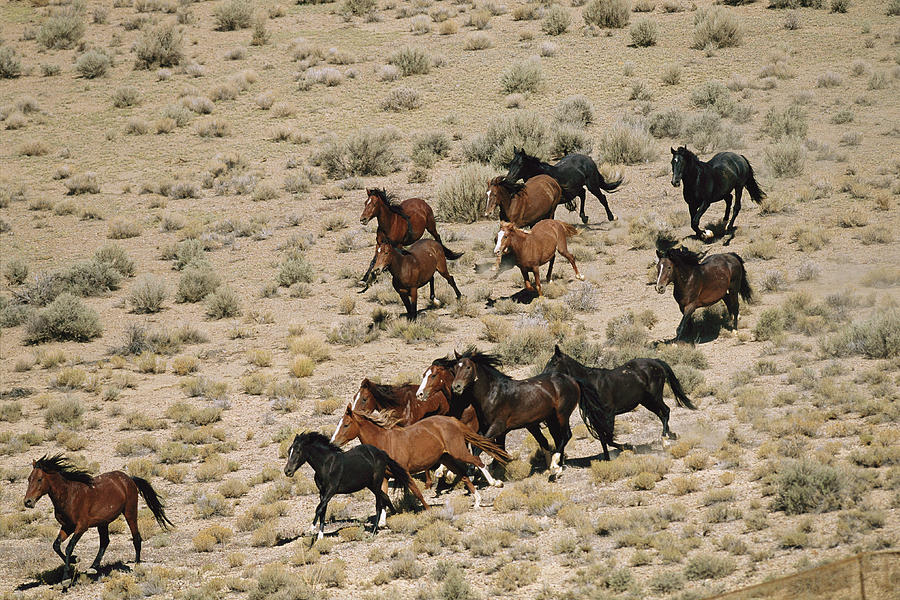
(708, 182)
(339, 472)
(639, 381)
(573, 172)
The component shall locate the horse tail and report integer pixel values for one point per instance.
(487, 446)
(568, 230)
(756, 194)
(599, 420)
(450, 254)
(680, 397)
(395, 471)
(746, 291)
(153, 502)
(612, 184)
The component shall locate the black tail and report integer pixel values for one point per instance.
(746, 291)
(598, 418)
(756, 194)
(153, 502)
(396, 472)
(680, 397)
(450, 254)
(613, 184)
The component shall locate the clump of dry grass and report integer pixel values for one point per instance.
(717, 27)
(159, 47)
(523, 77)
(607, 13)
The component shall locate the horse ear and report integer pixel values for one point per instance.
(33, 464)
(456, 354)
(660, 253)
(673, 150)
(556, 349)
(349, 409)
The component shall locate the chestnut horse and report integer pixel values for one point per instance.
(531, 250)
(702, 281)
(413, 268)
(423, 445)
(399, 224)
(399, 401)
(504, 404)
(81, 502)
(523, 204)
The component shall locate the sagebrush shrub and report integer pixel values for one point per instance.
(808, 486)
(523, 77)
(197, 281)
(478, 40)
(667, 124)
(789, 122)
(713, 95)
(411, 60)
(402, 98)
(10, 65)
(223, 303)
(125, 96)
(568, 139)
(786, 158)
(233, 14)
(557, 20)
(148, 294)
(526, 130)
(575, 110)
(64, 319)
(359, 8)
(364, 152)
(644, 33)
(160, 46)
(876, 337)
(607, 13)
(93, 63)
(718, 27)
(627, 142)
(62, 29)
(459, 197)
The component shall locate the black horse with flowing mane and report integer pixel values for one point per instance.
(623, 388)
(701, 281)
(339, 472)
(574, 172)
(708, 182)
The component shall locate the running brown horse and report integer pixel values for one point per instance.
(413, 268)
(504, 404)
(81, 502)
(399, 224)
(701, 282)
(621, 389)
(423, 445)
(533, 249)
(524, 204)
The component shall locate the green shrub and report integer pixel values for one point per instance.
(557, 20)
(807, 486)
(522, 77)
(10, 65)
(91, 278)
(893, 8)
(627, 142)
(93, 63)
(568, 139)
(62, 29)
(233, 14)
(525, 344)
(607, 13)
(64, 319)
(459, 196)
(362, 153)
(644, 33)
(525, 130)
(713, 95)
(667, 124)
(16, 271)
(840, 6)
(223, 303)
(188, 252)
(411, 60)
(716, 26)
(197, 281)
(160, 46)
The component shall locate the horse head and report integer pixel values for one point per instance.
(384, 253)
(664, 270)
(373, 198)
(38, 485)
(347, 429)
(679, 159)
(493, 194)
(296, 455)
(503, 238)
(466, 373)
(435, 378)
(514, 173)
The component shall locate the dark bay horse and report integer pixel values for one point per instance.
(504, 404)
(423, 445)
(702, 281)
(399, 223)
(413, 268)
(523, 204)
(623, 388)
(339, 472)
(708, 182)
(81, 502)
(535, 248)
(574, 172)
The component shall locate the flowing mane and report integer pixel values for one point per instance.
(393, 205)
(314, 438)
(684, 256)
(510, 187)
(482, 359)
(385, 395)
(62, 465)
(382, 420)
(687, 154)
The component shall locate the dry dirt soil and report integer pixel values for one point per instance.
(791, 460)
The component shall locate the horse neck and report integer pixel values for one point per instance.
(517, 240)
(488, 381)
(60, 490)
(538, 168)
(397, 260)
(693, 167)
(369, 432)
(316, 456)
(683, 272)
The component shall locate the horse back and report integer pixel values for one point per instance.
(103, 500)
(420, 215)
(358, 467)
(717, 274)
(730, 168)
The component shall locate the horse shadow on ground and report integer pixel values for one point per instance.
(720, 232)
(706, 326)
(54, 576)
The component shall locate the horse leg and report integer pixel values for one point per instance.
(695, 221)
(413, 302)
(417, 493)
(582, 214)
(535, 430)
(550, 268)
(561, 435)
(537, 280)
(654, 403)
(687, 312)
(460, 472)
(445, 273)
(103, 530)
(60, 538)
(130, 514)
(67, 569)
(563, 248)
(731, 302)
(527, 279)
(368, 274)
(727, 200)
(432, 301)
(738, 191)
(320, 515)
(593, 184)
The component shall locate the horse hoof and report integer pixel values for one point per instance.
(707, 234)
(498, 484)
(579, 277)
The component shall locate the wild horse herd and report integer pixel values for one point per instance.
(465, 405)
